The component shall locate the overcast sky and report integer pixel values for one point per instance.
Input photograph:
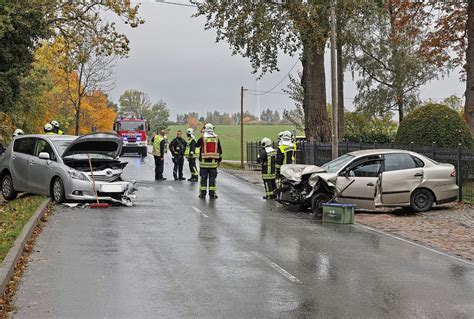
(173, 58)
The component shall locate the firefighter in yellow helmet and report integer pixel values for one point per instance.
(209, 158)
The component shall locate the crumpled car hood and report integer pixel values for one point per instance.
(106, 144)
(295, 171)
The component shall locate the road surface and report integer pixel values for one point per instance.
(174, 255)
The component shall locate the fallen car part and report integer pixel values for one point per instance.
(98, 204)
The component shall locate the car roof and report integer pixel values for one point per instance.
(377, 152)
(52, 137)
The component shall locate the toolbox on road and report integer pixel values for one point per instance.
(338, 213)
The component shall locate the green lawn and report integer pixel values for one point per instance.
(13, 216)
(230, 136)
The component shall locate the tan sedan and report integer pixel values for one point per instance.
(387, 178)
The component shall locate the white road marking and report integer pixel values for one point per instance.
(280, 270)
(197, 210)
(415, 244)
(171, 188)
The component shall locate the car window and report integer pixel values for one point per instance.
(370, 168)
(44, 146)
(24, 145)
(396, 162)
(418, 162)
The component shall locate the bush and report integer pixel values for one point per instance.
(434, 123)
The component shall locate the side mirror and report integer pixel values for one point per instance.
(44, 156)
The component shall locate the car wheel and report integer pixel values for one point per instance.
(8, 191)
(316, 204)
(421, 200)
(58, 193)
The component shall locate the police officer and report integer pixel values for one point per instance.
(48, 129)
(285, 152)
(267, 157)
(177, 149)
(159, 155)
(209, 158)
(190, 154)
(56, 129)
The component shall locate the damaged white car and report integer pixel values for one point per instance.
(370, 179)
(58, 166)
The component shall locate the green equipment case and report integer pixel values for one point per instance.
(338, 213)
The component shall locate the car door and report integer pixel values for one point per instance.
(362, 174)
(23, 149)
(401, 175)
(41, 170)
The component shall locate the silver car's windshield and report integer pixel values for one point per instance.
(338, 163)
(61, 145)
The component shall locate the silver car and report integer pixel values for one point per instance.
(378, 178)
(58, 166)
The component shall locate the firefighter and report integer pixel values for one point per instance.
(159, 155)
(177, 149)
(18, 132)
(56, 129)
(286, 151)
(267, 157)
(48, 129)
(190, 154)
(209, 158)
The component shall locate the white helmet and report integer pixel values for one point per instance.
(286, 135)
(48, 127)
(209, 127)
(18, 132)
(189, 131)
(280, 134)
(55, 124)
(266, 142)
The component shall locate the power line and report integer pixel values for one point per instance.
(276, 85)
(176, 3)
(266, 92)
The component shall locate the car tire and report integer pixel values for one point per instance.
(57, 191)
(421, 200)
(8, 191)
(316, 204)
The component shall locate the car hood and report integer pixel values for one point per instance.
(106, 144)
(295, 171)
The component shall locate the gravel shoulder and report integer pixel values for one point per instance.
(448, 228)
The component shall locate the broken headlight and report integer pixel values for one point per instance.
(75, 174)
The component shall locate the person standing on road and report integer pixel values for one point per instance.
(267, 157)
(159, 155)
(48, 129)
(209, 158)
(177, 149)
(190, 154)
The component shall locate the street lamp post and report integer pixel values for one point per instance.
(335, 120)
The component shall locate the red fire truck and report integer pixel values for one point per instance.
(133, 133)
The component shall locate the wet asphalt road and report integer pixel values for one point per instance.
(174, 255)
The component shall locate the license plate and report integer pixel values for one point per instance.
(110, 188)
(131, 144)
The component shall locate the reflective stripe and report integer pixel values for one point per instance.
(204, 164)
(285, 149)
(203, 188)
(212, 188)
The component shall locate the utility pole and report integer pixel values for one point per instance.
(242, 127)
(335, 126)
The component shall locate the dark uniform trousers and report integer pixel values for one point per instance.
(159, 167)
(208, 175)
(270, 186)
(178, 166)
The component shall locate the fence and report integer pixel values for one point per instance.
(320, 153)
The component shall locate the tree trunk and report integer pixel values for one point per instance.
(469, 106)
(340, 91)
(78, 101)
(314, 103)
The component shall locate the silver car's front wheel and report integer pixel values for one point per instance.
(58, 190)
(8, 191)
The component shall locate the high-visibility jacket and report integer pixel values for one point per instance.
(191, 151)
(267, 157)
(60, 132)
(50, 133)
(158, 145)
(285, 155)
(211, 152)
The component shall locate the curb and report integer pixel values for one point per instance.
(7, 268)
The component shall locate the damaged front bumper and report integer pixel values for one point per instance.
(117, 192)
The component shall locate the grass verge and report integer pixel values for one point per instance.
(13, 216)
(230, 165)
